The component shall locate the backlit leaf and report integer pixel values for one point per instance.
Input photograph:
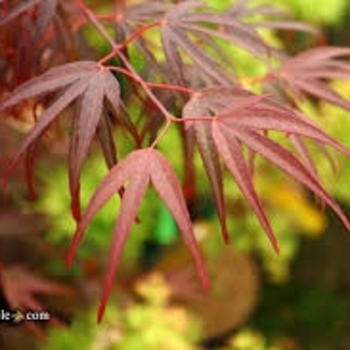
(308, 73)
(241, 118)
(86, 81)
(136, 171)
(202, 135)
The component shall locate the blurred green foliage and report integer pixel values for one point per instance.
(319, 12)
(149, 324)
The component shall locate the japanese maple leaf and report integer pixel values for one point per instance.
(96, 90)
(189, 21)
(267, 16)
(309, 72)
(37, 17)
(132, 19)
(242, 118)
(21, 288)
(187, 18)
(137, 171)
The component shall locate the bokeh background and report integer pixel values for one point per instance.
(259, 300)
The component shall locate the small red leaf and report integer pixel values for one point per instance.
(306, 157)
(94, 86)
(284, 159)
(46, 118)
(137, 169)
(110, 185)
(166, 183)
(189, 180)
(243, 118)
(53, 79)
(88, 117)
(197, 106)
(229, 149)
(132, 198)
(308, 72)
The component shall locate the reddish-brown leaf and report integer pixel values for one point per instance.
(94, 86)
(201, 132)
(190, 22)
(174, 35)
(231, 152)
(21, 289)
(285, 160)
(54, 79)
(304, 153)
(137, 170)
(308, 73)
(87, 119)
(268, 16)
(243, 118)
(45, 119)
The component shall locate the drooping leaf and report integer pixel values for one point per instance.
(190, 22)
(309, 72)
(242, 119)
(132, 18)
(89, 113)
(53, 79)
(21, 288)
(86, 81)
(268, 16)
(285, 160)
(202, 134)
(232, 154)
(137, 170)
(174, 37)
(304, 153)
(189, 187)
(105, 138)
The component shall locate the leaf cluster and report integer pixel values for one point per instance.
(187, 80)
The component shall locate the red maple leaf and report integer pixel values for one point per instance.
(21, 288)
(309, 72)
(95, 88)
(137, 170)
(241, 118)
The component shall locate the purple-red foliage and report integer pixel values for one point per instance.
(46, 57)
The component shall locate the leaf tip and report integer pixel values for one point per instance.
(275, 246)
(75, 203)
(70, 256)
(226, 235)
(69, 261)
(101, 311)
(103, 304)
(205, 282)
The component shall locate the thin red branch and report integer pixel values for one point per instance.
(93, 19)
(130, 39)
(152, 85)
